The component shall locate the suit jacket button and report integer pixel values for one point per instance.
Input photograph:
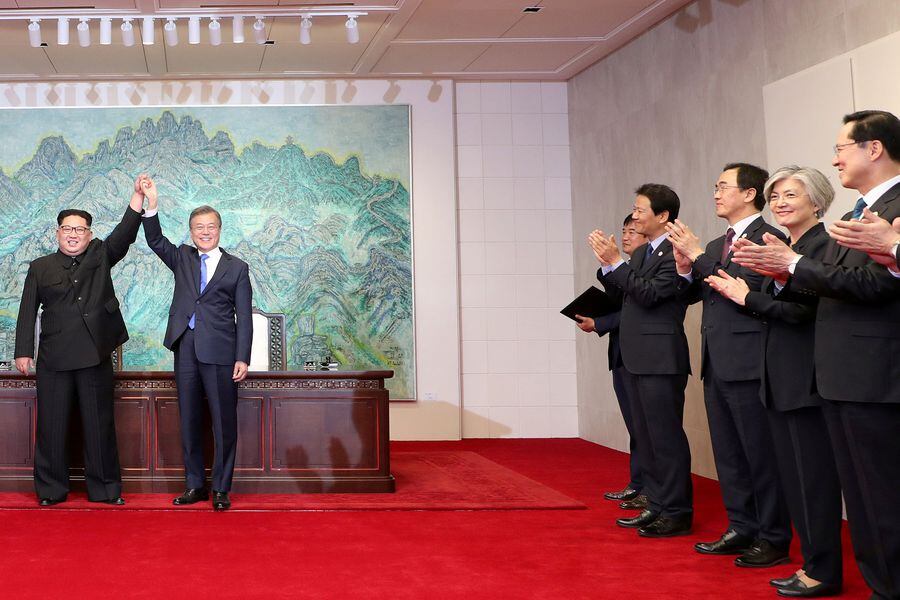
(85, 314)
(197, 302)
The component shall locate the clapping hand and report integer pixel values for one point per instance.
(733, 288)
(870, 234)
(684, 240)
(604, 247)
(772, 259)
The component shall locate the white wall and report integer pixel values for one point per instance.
(515, 248)
(436, 414)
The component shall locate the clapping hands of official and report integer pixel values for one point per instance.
(685, 246)
(772, 259)
(733, 288)
(605, 248)
(870, 234)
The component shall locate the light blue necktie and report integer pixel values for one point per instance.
(203, 258)
(857, 210)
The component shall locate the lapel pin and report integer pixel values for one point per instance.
(743, 235)
(660, 253)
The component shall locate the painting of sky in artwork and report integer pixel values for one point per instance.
(315, 199)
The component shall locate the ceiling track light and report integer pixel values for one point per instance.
(105, 31)
(34, 33)
(170, 32)
(62, 31)
(129, 22)
(237, 29)
(259, 31)
(352, 29)
(127, 32)
(148, 32)
(193, 30)
(215, 31)
(305, 26)
(84, 33)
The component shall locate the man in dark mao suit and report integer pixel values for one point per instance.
(81, 325)
(210, 331)
(656, 359)
(857, 333)
(759, 527)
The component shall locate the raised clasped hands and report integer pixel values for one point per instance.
(605, 248)
(733, 288)
(771, 259)
(870, 234)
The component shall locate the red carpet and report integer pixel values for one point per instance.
(389, 554)
(435, 480)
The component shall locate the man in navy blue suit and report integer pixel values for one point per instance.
(210, 332)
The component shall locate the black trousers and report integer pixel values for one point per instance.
(811, 487)
(745, 460)
(91, 389)
(657, 410)
(866, 441)
(636, 461)
(195, 380)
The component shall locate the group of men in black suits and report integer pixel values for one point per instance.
(853, 285)
(209, 330)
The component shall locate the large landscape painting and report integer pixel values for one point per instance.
(315, 199)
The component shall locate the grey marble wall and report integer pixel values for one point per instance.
(673, 107)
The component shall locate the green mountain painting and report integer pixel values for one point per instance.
(315, 199)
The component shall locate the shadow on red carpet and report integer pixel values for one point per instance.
(433, 480)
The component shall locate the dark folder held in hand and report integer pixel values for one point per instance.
(592, 302)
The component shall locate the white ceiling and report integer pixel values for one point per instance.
(458, 39)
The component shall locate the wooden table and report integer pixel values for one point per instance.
(319, 431)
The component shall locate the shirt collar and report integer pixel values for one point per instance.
(878, 191)
(214, 253)
(741, 226)
(654, 243)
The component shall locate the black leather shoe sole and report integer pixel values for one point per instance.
(761, 565)
(783, 582)
(645, 518)
(51, 501)
(626, 494)
(191, 497)
(799, 590)
(117, 501)
(221, 501)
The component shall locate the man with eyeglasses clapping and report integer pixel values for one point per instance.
(81, 326)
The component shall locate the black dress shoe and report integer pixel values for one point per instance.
(117, 501)
(645, 518)
(191, 496)
(220, 501)
(784, 581)
(762, 554)
(731, 542)
(626, 494)
(639, 502)
(798, 589)
(667, 527)
(51, 501)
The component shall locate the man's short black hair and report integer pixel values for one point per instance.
(869, 125)
(74, 212)
(751, 177)
(628, 220)
(661, 198)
